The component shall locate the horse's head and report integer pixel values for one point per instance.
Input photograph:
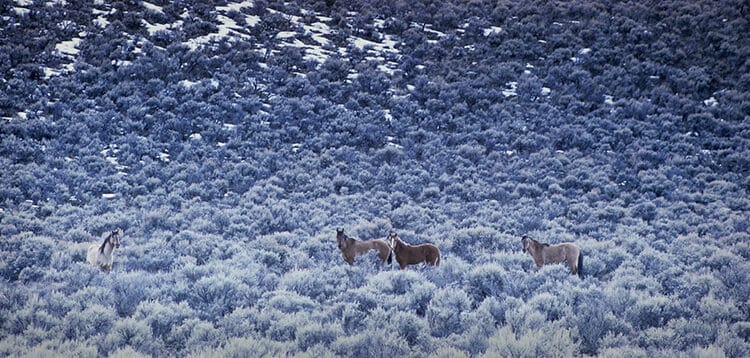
(341, 239)
(392, 239)
(114, 239)
(525, 242)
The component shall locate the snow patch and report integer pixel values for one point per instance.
(153, 7)
(711, 102)
(494, 30)
(69, 47)
(511, 89)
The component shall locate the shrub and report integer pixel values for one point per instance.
(129, 332)
(129, 290)
(412, 328)
(468, 242)
(634, 352)
(314, 283)
(215, 296)
(446, 311)
(313, 334)
(448, 352)
(552, 307)
(162, 317)
(371, 344)
(91, 321)
(484, 281)
(654, 311)
(551, 340)
(52, 348)
(204, 334)
(25, 252)
(593, 319)
(246, 347)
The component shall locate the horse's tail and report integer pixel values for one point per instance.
(580, 265)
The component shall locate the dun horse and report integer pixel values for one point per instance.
(413, 254)
(101, 256)
(544, 254)
(351, 247)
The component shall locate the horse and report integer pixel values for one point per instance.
(351, 247)
(101, 256)
(544, 254)
(413, 254)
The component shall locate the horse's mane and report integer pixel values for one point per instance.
(403, 242)
(544, 244)
(104, 244)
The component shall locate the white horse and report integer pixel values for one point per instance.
(101, 256)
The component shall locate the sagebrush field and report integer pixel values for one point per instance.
(229, 140)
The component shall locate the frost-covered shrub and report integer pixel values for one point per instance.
(552, 307)
(452, 269)
(376, 343)
(216, 295)
(628, 351)
(552, 340)
(468, 243)
(737, 280)
(593, 319)
(486, 281)
(653, 311)
(446, 311)
(554, 279)
(91, 321)
(203, 334)
(129, 332)
(404, 290)
(631, 278)
(28, 253)
(55, 348)
(313, 334)
(371, 230)
(412, 328)
(289, 302)
(158, 254)
(350, 315)
(411, 216)
(242, 322)
(127, 352)
(448, 352)
(246, 347)
(163, 316)
(733, 344)
(129, 289)
(714, 311)
(314, 283)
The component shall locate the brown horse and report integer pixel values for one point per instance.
(413, 254)
(544, 254)
(351, 247)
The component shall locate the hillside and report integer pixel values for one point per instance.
(229, 140)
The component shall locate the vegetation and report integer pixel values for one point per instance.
(230, 141)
